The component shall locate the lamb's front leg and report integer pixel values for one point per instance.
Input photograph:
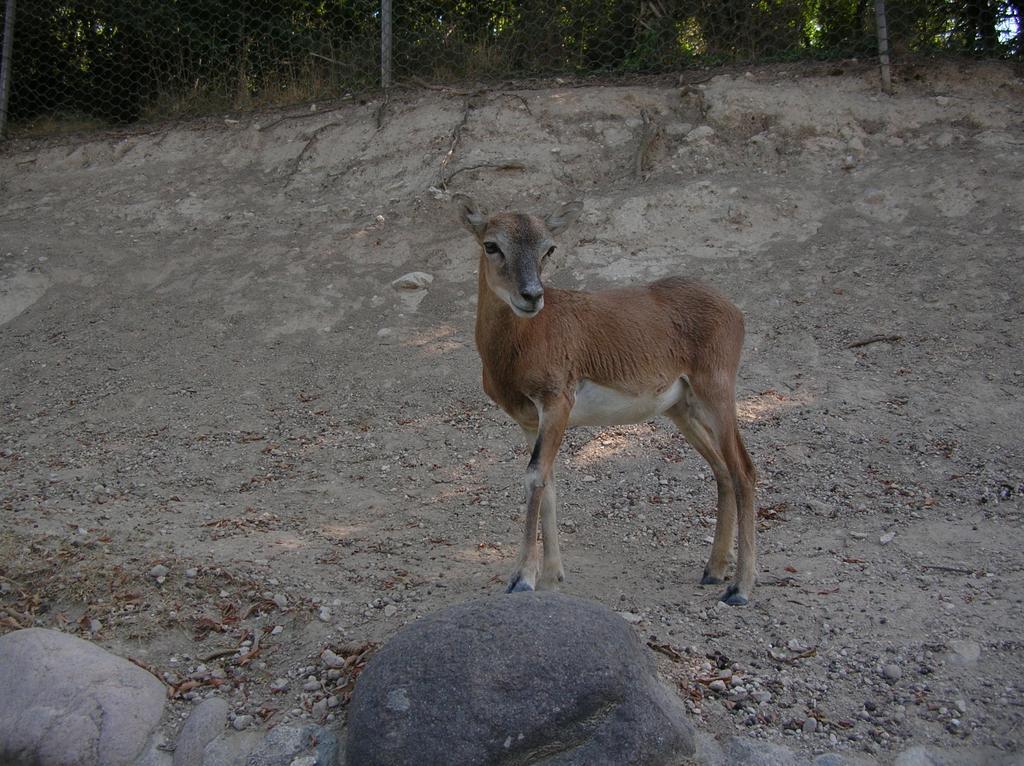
(552, 574)
(540, 498)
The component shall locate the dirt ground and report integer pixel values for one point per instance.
(222, 424)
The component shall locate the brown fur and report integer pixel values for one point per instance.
(638, 341)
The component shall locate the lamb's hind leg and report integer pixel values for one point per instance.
(695, 421)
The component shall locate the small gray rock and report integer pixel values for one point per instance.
(331, 660)
(231, 748)
(741, 751)
(701, 133)
(921, 755)
(809, 726)
(892, 672)
(241, 722)
(284, 744)
(206, 722)
(159, 571)
(964, 653)
(414, 280)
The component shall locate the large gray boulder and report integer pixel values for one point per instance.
(527, 678)
(67, 702)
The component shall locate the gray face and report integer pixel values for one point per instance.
(516, 247)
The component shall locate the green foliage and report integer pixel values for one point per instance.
(122, 60)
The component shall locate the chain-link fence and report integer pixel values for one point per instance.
(75, 64)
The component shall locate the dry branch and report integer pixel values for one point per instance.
(456, 136)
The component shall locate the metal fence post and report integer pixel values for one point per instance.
(385, 44)
(883, 45)
(5, 64)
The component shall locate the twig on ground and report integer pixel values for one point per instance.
(420, 83)
(876, 339)
(313, 139)
(667, 649)
(303, 115)
(456, 136)
(516, 95)
(149, 669)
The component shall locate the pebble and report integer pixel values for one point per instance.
(887, 538)
(630, 617)
(280, 599)
(278, 630)
(390, 610)
(414, 280)
(191, 572)
(964, 652)
(810, 725)
(332, 660)
(311, 685)
(892, 672)
(718, 685)
(241, 722)
(279, 685)
(159, 571)
(324, 614)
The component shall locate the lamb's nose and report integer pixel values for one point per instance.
(532, 294)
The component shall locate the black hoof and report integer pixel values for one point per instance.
(518, 585)
(733, 597)
(708, 579)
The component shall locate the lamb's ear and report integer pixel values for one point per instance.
(470, 214)
(559, 221)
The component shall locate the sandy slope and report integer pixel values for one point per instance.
(203, 365)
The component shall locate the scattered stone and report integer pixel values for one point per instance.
(285, 745)
(810, 725)
(741, 751)
(892, 672)
(887, 538)
(390, 610)
(923, 755)
(700, 133)
(191, 573)
(159, 571)
(718, 686)
(964, 652)
(414, 280)
(67, 701)
(324, 614)
(630, 617)
(278, 630)
(279, 685)
(331, 660)
(241, 722)
(441, 688)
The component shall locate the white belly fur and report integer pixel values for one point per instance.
(601, 406)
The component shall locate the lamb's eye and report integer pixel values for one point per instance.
(492, 249)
